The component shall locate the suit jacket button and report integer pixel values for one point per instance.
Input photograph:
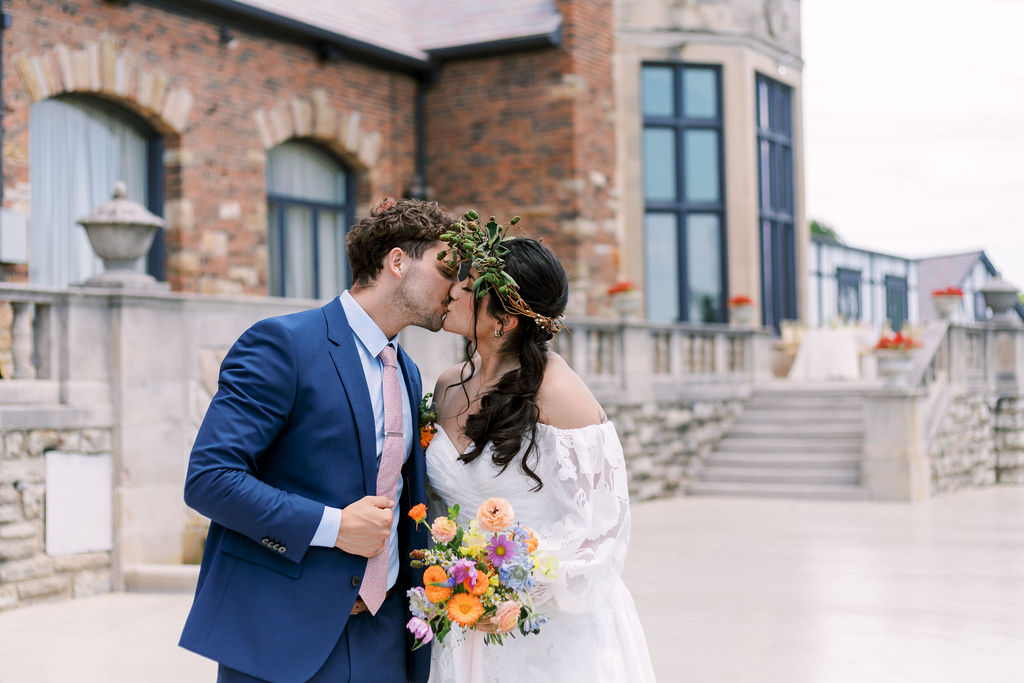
(281, 549)
(265, 541)
(356, 580)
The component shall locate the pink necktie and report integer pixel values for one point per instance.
(374, 586)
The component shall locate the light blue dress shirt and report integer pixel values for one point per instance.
(370, 341)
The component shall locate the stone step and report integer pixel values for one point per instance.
(781, 475)
(785, 460)
(781, 415)
(803, 403)
(740, 489)
(811, 429)
(792, 443)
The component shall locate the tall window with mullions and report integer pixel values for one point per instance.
(775, 172)
(309, 208)
(684, 217)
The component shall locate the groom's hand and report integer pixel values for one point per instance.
(365, 526)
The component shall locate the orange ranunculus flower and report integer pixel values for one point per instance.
(465, 609)
(495, 514)
(531, 542)
(443, 529)
(481, 584)
(436, 574)
(418, 513)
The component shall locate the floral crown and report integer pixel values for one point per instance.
(481, 247)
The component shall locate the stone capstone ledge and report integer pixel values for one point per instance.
(161, 578)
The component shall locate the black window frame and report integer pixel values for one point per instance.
(680, 208)
(848, 278)
(277, 204)
(897, 284)
(777, 202)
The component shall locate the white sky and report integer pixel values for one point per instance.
(914, 125)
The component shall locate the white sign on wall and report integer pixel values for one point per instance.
(79, 503)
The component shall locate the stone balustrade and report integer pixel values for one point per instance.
(953, 420)
(123, 380)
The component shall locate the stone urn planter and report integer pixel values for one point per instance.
(121, 232)
(741, 311)
(946, 305)
(893, 363)
(625, 298)
(1000, 296)
(626, 304)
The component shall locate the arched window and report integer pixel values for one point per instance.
(310, 207)
(78, 148)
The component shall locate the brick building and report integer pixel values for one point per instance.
(261, 129)
(657, 140)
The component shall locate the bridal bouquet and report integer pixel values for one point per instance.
(478, 577)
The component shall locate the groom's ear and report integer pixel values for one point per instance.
(395, 262)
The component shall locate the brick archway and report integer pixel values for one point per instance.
(316, 120)
(103, 70)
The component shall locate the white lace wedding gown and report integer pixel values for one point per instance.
(581, 515)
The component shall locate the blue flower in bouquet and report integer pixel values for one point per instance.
(500, 549)
(532, 622)
(517, 573)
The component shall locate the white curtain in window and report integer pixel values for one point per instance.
(77, 150)
(301, 172)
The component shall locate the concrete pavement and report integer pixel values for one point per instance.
(728, 590)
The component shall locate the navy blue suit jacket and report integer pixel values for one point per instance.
(289, 430)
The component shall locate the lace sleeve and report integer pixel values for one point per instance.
(588, 481)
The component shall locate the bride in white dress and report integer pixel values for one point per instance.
(516, 422)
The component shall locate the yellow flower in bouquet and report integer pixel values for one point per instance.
(484, 572)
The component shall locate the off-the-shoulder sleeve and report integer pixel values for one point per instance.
(587, 474)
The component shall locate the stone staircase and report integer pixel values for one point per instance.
(791, 441)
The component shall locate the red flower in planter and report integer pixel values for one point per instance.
(897, 342)
(621, 287)
(739, 300)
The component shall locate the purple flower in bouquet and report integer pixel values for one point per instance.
(420, 630)
(462, 570)
(517, 573)
(500, 549)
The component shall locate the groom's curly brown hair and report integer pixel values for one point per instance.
(412, 225)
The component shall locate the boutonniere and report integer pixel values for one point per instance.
(428, 416)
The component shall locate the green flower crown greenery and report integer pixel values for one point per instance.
(481, 247)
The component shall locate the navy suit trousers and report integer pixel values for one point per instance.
(371, 650)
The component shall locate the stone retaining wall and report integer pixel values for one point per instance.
(666, 442)
(980, 442)
(27, 573)
(1009, 430)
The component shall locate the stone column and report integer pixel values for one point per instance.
(895, 463)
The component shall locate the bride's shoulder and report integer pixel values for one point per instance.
(450, 377)
(564, 400)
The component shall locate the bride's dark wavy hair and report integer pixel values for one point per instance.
(509, 410)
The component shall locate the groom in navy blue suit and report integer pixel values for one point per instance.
(285, 466)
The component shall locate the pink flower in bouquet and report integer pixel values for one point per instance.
(507, 615)
(495, 514)
(500, 549)
(420, 630)
(443, 529)
(463, 570)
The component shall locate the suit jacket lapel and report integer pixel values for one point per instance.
(350, 371)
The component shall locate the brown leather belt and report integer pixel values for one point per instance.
(361, 607)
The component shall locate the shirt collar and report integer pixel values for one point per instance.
(363, 325)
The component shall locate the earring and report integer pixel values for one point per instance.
(498, 332)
